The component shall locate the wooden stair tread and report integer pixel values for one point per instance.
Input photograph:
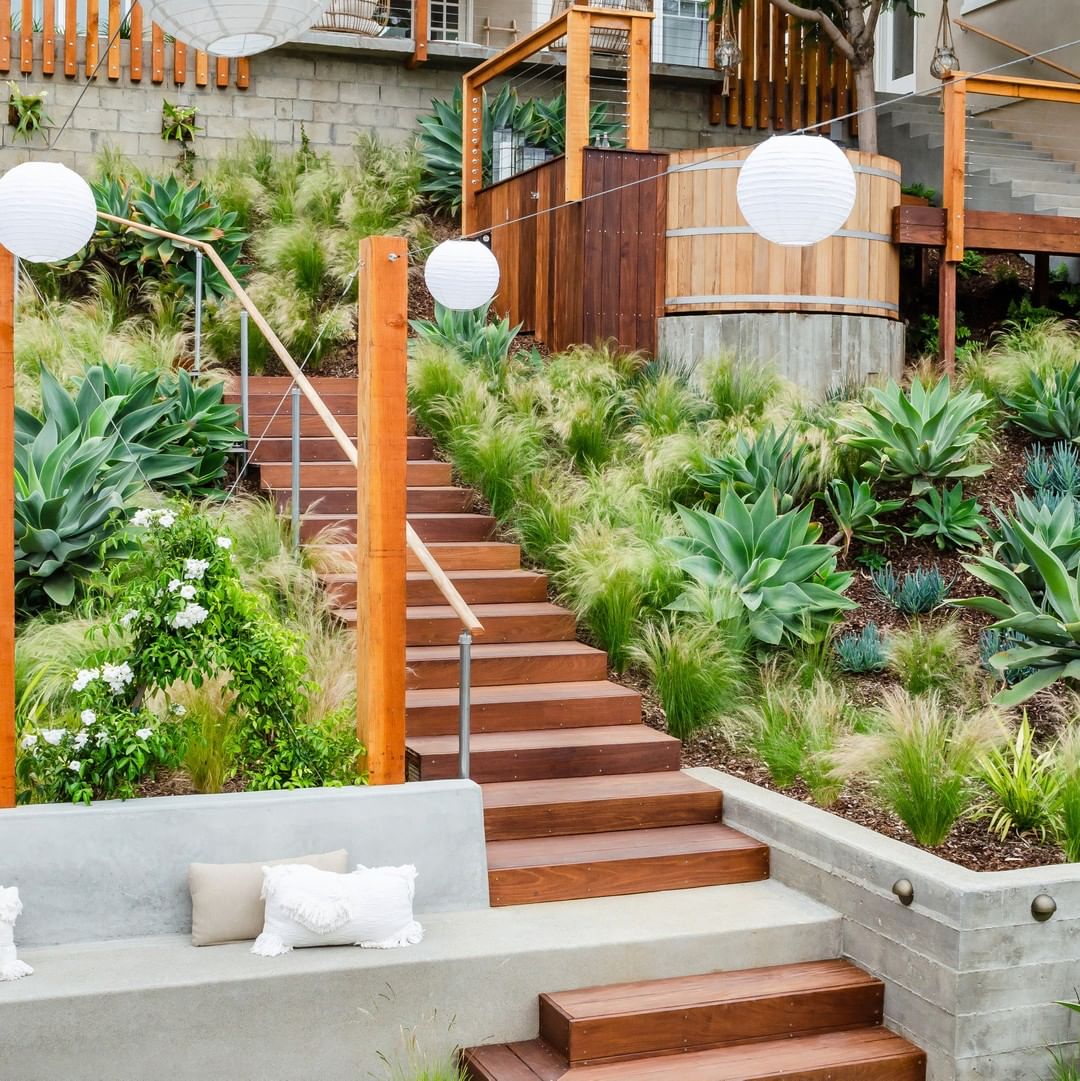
(487, 650)
(520, 693)
(592, 789)
(666, 841)
(544, 739)
(516, 610)
(685, 992)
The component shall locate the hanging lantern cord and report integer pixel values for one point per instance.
(728, 53)
(945, 59)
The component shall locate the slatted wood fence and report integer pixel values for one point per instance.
(582, 271)
(789, 78)
(45, 51)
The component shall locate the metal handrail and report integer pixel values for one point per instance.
(472, 625)
(966, 27)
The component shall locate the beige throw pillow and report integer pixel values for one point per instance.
(226, 901)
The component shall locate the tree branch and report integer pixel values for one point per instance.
(811, 16)
(872, 17)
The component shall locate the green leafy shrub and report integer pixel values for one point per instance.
(1048, 406)
(927, 658)
(698, 670)
(950, 518)
(781, 460)
(922, 435)
(773, 562)
(1022, 787)
(471, 336)
(1067, 781)
(919, 591)
(920, 756)
(862, 652)
(857, 513)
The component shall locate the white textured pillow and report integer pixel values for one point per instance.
(307, 907)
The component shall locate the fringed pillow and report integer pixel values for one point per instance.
(371, 907)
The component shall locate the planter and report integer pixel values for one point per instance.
(971, 975)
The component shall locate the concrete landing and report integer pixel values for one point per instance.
(159, 1006)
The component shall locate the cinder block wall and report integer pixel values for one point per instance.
(331, 95)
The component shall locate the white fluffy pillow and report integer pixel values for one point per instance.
(307, 907)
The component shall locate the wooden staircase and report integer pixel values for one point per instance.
(581, 799)
(817, 1021)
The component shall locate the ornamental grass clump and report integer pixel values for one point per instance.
(1066, 766)
(924, 435)
(698, 670)
(929, 658)
(737, 389)
(921, 757)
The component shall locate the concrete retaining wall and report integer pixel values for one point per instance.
(815, 351)
(119, 870)
(971, 977)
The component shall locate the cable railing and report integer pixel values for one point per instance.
(470, 623)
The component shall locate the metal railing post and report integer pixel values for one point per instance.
(198, 309)
(464, 705)
(295, 466)
(245, 413)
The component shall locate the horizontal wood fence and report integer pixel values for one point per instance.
(583, 271)
(53, 49)
(716, 263)
(789, 78)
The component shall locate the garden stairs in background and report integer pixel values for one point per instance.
(581, 799)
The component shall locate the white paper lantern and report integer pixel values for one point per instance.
(462, 274)
(796, 190)
(234, 27)
(47, 212)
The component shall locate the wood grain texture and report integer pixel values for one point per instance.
(93, 31)
(48, 37)
(179, 63)
(243, 73)
(136, 46)
(26, 37)
(71, 59)
(529, 622)
(157, 54)
(112, 61)
(5, 35)
(202, 68)
(954, 167)
(504, 663)
(7, 529)
(380, 499)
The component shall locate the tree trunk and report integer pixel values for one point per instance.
(866, 98)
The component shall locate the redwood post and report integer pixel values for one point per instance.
(7, 528)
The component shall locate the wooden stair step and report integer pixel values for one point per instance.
(450, 555)
(688, 1013)
(477, 587)
(532, 755)
(326, 449)
(278, 384)
(445, 499)
(631, 801)
(523, 707)
(270, 426)
(430, 528)
(535, 621)
(506, 662)
(863, 1054)
(277, 476)
(541, 869)
(263, 405)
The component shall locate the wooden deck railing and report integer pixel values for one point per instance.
(79, 54)
(789, 78)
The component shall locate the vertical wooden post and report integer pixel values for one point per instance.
(578, 100)
(1040, 293)
(7, 529)
(112, 63)
(382, 449)
(5, 36)
(48, 37)
(157, 54)
(26, 37)
(952, 198)
(136, 24)
(947, 314)
(421, 33)
(93, 29)
(472, 151)
(71, 32)
(638, 80)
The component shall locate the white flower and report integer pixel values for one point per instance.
(188, 592)
(166, 519)
(29, 743)
(101, 737)
(224, 542)
(144, 733)
(80, 740)
(190, 616)
(141, 518)
(128, 616)
(179, 710)
(88, 716)
(75, 765)
(195, 568)
(85, 677)
(174, 585)
(53, 736)
(117, 676)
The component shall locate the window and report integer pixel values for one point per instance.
(445, 20)
(681, 32)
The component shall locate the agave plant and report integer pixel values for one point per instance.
(1049, 408)
(1050, 626)
(950, 518)
(772, 563)
(69, 494)
(857, 511)
(777, 460)
(922, 436)
(470, 335)
(1058, 528)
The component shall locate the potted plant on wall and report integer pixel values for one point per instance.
(26, 113)
(178, 126)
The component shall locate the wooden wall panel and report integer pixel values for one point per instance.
(26, 37)
(93, 30)
(71, 29)
(5, 36)
(136, 23)
(48, 37)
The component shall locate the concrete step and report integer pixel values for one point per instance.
(1039, 187)
(1047, 204)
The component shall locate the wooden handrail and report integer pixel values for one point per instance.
(453, 598)
(971, 28)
